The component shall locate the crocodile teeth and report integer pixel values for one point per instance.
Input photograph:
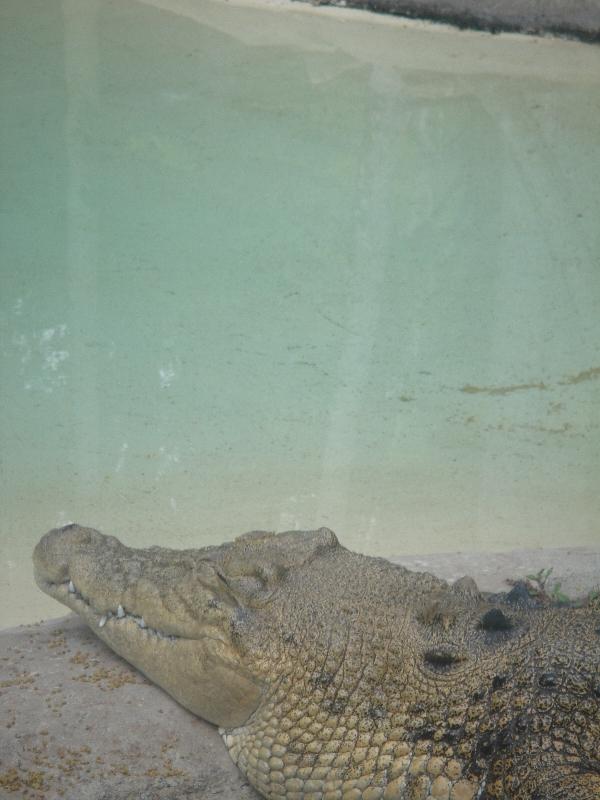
(71, 587)
(120, 611)
(141, 622)
(102, 622)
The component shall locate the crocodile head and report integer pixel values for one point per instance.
(185, 618)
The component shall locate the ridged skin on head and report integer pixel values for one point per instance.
(378, 683)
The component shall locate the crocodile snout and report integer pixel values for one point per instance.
(55, 551)
(170, 613)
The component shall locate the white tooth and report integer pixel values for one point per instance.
(141, 622)
(102, 622)
(120, 611)
(71, 587)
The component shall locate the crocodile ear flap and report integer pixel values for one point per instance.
(258, 562)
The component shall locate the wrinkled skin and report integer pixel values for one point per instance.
(335, 676)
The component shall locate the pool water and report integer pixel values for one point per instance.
(283, 267)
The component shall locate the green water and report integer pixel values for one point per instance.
(276, 269)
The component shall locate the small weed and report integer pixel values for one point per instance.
(538, 588)
(558, 596)
(593, 598)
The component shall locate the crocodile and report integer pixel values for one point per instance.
(338, 676)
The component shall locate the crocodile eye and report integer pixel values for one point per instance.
(442, 660)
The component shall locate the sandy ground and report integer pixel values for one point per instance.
(573, 571)
(77, 722)
(384, 39)
(580, 18)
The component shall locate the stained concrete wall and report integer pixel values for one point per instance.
(577, 18)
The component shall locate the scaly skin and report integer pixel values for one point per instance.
(335, 676)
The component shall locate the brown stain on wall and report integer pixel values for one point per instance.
(587, 375)
(501, 390)
(571, 380)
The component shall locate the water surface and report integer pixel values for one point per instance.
(278, 269)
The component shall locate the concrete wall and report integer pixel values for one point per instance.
(573, 18)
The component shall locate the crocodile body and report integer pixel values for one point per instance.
(336, 676)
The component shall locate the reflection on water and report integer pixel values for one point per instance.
(257, 276)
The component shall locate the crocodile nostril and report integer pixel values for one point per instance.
(54, 554)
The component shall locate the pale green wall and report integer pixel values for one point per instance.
(270, 269)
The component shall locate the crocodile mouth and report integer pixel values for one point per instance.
(120, 619)
(66, 592)
(164, 595)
